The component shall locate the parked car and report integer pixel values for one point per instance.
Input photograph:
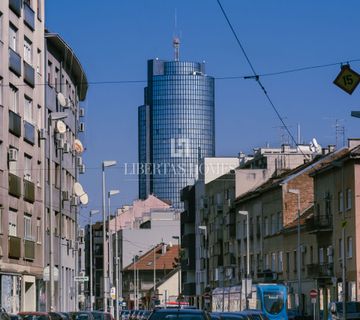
(229, 316)
(34, 315)
(14, 317)
(59, 316)
(253, 314)
(144, 315)
(3, 314)
(336, 310)
(81, 315)
(179, 314)
(101, 315)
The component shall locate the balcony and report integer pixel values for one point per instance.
(29, 250)
(29, 16)
(15, 6)
(29, 74)
(29, 191)
(320, 223)
(14, 123)
(14, 247)
(29, 133)
(14, 62)
(14, 185)
(320, 270)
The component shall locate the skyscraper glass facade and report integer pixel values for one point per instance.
(179, 113)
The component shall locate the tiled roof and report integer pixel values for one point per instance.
(164, 261)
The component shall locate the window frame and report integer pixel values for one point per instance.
(28, 227)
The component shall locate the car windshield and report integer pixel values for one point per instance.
(351, 307)
(79, 316)
(34, 317)
(273, 301)
(177, 316)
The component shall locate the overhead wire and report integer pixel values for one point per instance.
(256, 76)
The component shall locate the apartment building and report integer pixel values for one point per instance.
(64, 77)
(21, 162)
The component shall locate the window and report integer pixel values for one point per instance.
(49, 74)
(13, 37)
(321, 256)
(295, 261)
(267, 262)
(280, 261)
(27, 51)
(1, 26)
(279, 221)
(14, 99)
(27, 227)
(57, 82)
(28, 110)
(244, 229)
(349, 247)
(38, 230)
(27, 168)
(348, 199)
(287, 262)
(340, 201)
(273, 261)
(12, 223)
(38, 61)
(311, 254)
(266, 224)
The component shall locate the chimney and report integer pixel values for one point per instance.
(163, 249)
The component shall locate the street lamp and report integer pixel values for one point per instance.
(297, 192)
(179, 278)
(246, 213)
(105, 164)
(92, 212)
(54, 116)
(112, 193)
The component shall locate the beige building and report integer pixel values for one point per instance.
(21, 161)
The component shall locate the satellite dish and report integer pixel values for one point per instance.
(78, 147)
(62, 100)
(60, 126)
(84, 199)
(78, 189)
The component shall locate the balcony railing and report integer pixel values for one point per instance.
(29, 133)
(14, 185)
(320, 270)
(29, 250)
(29, 16)
(15, 5)
(29, 74)
(14, 247)
(320, 223)
(14, 123)
(14, 62)
(29, 191)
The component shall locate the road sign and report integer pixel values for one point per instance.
(81, 278)
(347, 79)
(313, 294)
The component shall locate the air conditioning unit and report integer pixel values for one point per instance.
(74, 201)
(79, 161)
(65, 196)
(82, 169)
(81, 127)
(66, 147)
(81, 112)
(13, 154)
(42, 134)
(81, 233)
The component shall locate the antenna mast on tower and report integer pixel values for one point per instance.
(176, 40)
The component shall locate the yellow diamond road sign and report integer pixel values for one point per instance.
(347, 79)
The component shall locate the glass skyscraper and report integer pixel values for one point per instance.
(176, 127)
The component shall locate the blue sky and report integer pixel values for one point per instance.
(113, 40)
